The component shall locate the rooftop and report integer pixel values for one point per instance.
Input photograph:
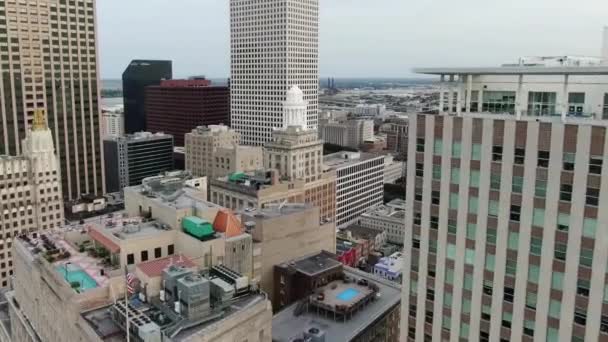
(344, 159)
(170, 189)
(299, 317)
(140, 136)
(392, 211)
(314, 264)
(359, 231)
(392, 264)
(155, 268)
(517, 70)
(274, 211)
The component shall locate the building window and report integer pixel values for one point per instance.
(496, 153)
(437, 172)
(576, 104)
(434, 222)
(418, 194)
(452, 227)
(568, 161)
(455, 176)
(560, 251)
(491, 236)
(518, 184)
(490, 262)
(589, 227)
(580, 316)
(476, 152)
(419, 170)
(130, 259)
(557, 280)
(515, 213)
(538, 217)
(586, 258)
(438, 147)
(555, 308)
(473, 205)
(582, 287)
(565, 192)
(435, 197)
(507, 318)
(533, 273)
(531, 300)
(157, 252)
(486, 312)
(543, 159)
(420, 145)
(520, 156)
(595, 165)
(474, 179)
(513, 240)
(500, 102)
(540, 188)
(493, 208)
(471, 231)
(541, 103)
(511, 267)
(456, 149)
(170, 250)
(494, 181)
(417, 218)
(454, 200)
(488, 287)
(563, 222)
(593, 197)
(144, 256)
(529, 327)
(536, 245)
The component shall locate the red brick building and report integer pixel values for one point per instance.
(177, 106)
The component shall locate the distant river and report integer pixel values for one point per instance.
(111, 101)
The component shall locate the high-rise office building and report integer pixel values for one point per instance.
(505, 229)
(133, 157)
(274, 45)
(359, 183)
(50, 63)
(178, 106)
(30, 192)
(136, 77)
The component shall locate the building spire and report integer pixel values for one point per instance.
(39, 123)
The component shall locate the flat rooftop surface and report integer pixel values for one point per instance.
(277, 211)
(315, 264)
(516, 70)
(337, 160)
(286, 325)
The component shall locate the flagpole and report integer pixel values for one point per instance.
(127, 304)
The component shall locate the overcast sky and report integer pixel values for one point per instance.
(358, 38)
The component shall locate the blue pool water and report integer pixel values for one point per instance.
(73, 273)
(348, 294)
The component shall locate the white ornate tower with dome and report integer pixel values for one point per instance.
(294, 109)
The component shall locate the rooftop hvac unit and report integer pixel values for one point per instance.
(194, 296)
(239, 281)
(171, 275)
(315, 334)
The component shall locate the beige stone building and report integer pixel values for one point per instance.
(30, 192)
(285, 232)
(213, 151)
(236, 158)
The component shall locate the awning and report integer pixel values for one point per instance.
(104, 241)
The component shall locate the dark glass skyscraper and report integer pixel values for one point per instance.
(138, 75)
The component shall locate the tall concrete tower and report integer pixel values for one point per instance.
(274, 44)
(50, 63)
(294, 109)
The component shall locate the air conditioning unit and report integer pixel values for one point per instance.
(315, 334)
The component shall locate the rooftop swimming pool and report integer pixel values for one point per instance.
(74, 274)
(348, 295)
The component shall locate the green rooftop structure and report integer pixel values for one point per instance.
(237, 176)
(197, 227)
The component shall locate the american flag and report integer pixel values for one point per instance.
(130, 279)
